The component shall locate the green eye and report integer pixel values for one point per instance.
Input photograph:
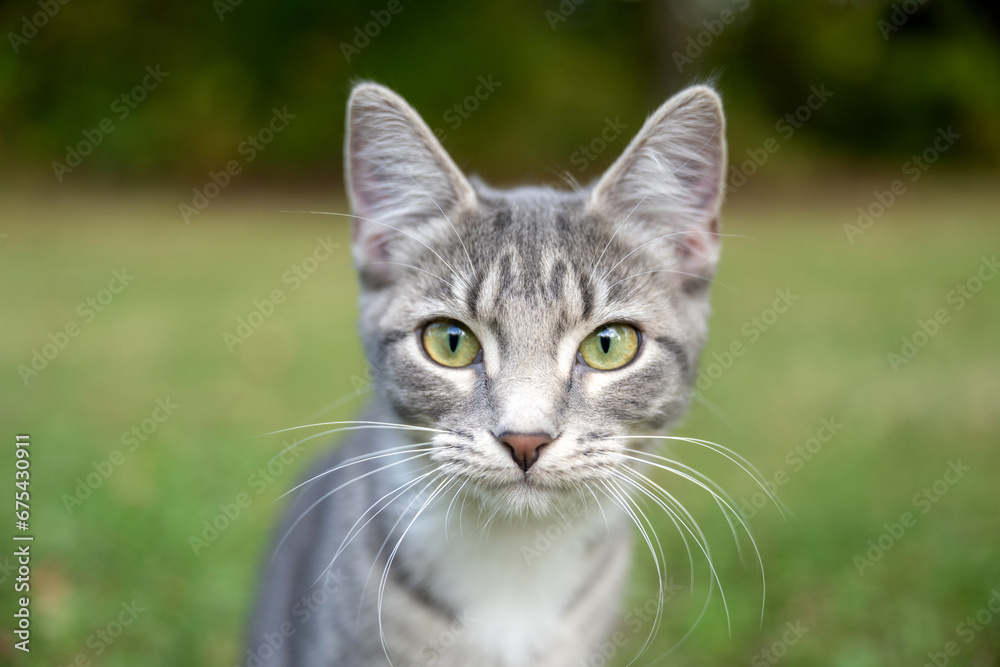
(450, 343)
(610, 346)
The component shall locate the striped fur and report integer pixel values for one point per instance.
(531, 271)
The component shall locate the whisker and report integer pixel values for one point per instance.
(410, 266)
(680, 273)
(419, 450)
(459, 236)
(639, 247)
(447, 513)
(601, 507)
(617, 229)
(407, 427)
(644, 197)
(711, 579)
(715, 410)
(723, 505)
(392, 556)
(401, 231)
(697, 622)
(362, 426)
(389, 533)
(346, 398)
(702, 481)
(717, 235)
(703, 546)
(328, 494)
(677, 519)
(398, 491)
(739, 460)
(659, 572)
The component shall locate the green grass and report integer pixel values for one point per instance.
(825, 358)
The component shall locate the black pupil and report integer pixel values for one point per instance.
(454, 335)
(605, 341)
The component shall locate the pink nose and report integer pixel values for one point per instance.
(524, 447)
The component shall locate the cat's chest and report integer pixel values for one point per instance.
(519, 588)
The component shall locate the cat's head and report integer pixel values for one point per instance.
(534, 326)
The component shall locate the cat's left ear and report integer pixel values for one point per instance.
(670, 180)
(398, 175)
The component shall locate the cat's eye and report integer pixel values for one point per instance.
(450, 343)
(610, 346)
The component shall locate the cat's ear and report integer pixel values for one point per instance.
(670, 180)
(398, 175)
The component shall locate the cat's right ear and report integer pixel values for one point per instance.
(398, 176)
(669, 182)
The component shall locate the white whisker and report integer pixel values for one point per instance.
(702, 481)
(392, 556)
(680, 273)
(723, 505)
(747, 467)
(401, 231)
(410, 266)
(702, 542)
(406, 427)
(660, 571)
(459, 236)
(330, 493)
(419, 451)
(447, 513)
(389, 533)
(351, 534)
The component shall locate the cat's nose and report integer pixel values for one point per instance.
(524, 447)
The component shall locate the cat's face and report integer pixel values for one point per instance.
(534, 328)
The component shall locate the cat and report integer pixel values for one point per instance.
(527, 348)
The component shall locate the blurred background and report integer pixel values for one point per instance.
(161, 306)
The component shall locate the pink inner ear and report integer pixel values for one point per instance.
(697, 249)
(374, 245)
(363, 185)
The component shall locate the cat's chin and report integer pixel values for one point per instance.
(528, 497)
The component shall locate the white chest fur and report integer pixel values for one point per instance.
(526, 592)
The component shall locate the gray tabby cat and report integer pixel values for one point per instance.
(522, 343)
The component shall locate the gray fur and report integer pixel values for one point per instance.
(531, 271)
